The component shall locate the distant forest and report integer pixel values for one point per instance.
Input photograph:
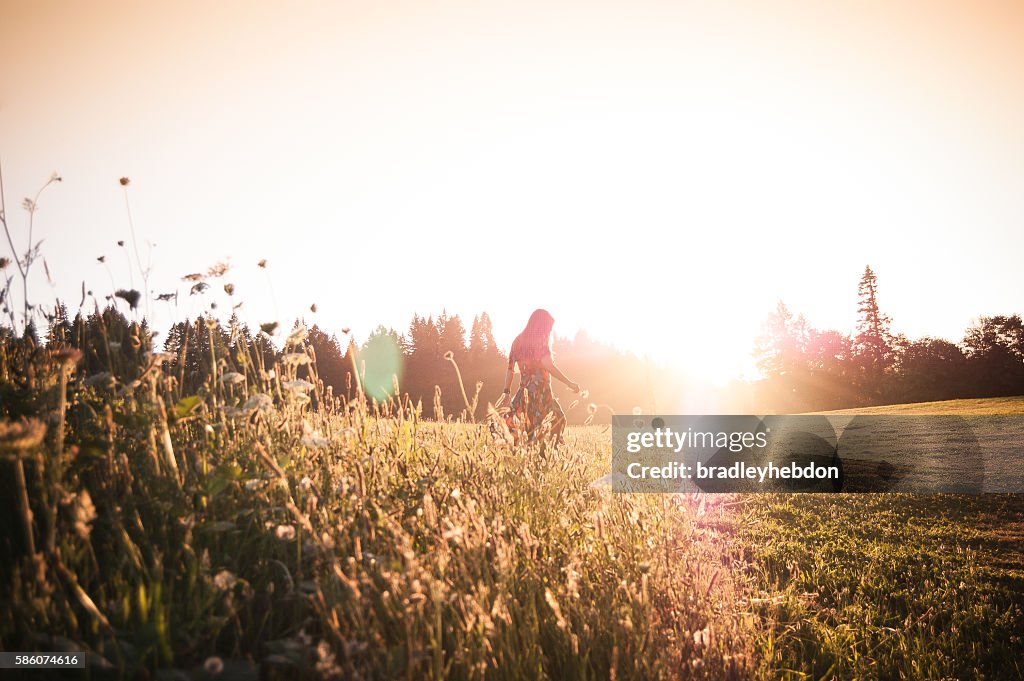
(803, 368)
(807, 369)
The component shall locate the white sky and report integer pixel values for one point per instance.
(658, 174)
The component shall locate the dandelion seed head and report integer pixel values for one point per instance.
(591, 408)
(297, 385)
(85, 513)
(22, 434)
(232, 378)
(285, 532)
(296, 359)
(260, 401)
(297, 335)
(124, 181)
(224, 580)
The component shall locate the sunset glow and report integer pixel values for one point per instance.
(658, 174)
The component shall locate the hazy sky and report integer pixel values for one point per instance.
(656, 173)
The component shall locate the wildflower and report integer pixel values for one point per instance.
(211, 323)
(199, 288)
(218, 270)
(124, 183)
(262, 264)
(229, 289)
(120, 242)
(85, 513)
(131, 296)
(225, 580)
(260, 401)
(297, 335)
(29, 205)
(295, 359)
(297, 386)
(102, 259)
(285, 532)
(312, 308)
(232, 378)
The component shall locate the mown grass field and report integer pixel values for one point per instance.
(238, 534)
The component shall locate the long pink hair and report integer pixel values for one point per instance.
(534, 343)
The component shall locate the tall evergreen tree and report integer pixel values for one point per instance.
(873, 343)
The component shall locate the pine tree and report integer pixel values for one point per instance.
(873, 341)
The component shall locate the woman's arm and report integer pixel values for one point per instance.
(554, 371)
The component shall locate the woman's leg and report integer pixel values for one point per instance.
(558, 425)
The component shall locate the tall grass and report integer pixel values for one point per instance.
(239, 526)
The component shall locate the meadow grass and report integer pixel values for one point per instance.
(890, 586)
(237, 532)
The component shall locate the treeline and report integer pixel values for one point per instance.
(433, 361)
(808, 369)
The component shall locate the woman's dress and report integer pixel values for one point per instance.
(534, 413)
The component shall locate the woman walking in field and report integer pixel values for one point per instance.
(534, 413)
